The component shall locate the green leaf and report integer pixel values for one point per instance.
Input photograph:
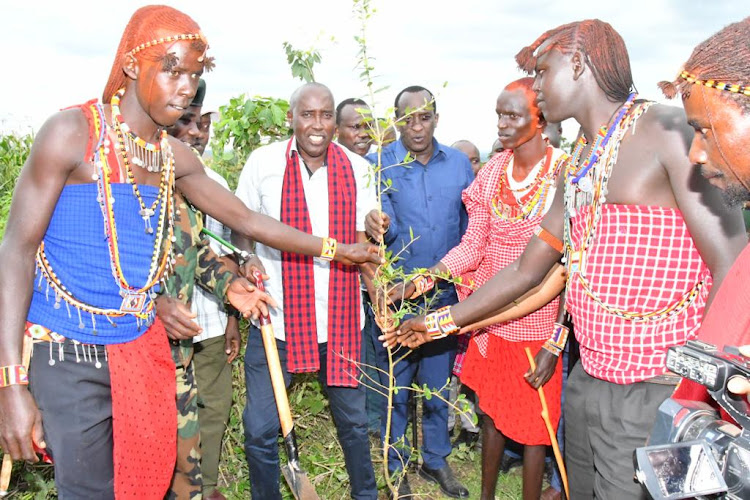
(279, 115)
(249, 107)
(317, 406)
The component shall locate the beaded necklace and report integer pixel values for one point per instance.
(145, 212)
(602, 139)
(598, 170)
(145, 154)
(543, 164)
(138, 302)
(506, 206)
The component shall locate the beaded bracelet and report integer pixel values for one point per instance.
(433, 329)
(329, 249)
(445, 321)
(423, 284)
(13, 375)
(556, 343)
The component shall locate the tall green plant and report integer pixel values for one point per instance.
(390, 274)
(14, 149)
(301, 62)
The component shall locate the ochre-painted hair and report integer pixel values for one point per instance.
(525, 84)
(724, 57)
(603, 50)
(149, 23)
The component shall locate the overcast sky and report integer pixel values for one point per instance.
(59, 53)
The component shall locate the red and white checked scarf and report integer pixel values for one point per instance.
(642, 260)
(298, 281)
(490, 244)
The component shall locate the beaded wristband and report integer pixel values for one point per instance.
(329, 249)
(556, 343)
(433, 329)
(423, 284)
(547, 346)
(445, 321)
(13, 375)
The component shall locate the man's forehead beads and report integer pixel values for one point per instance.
(168, 39)
(735, 88)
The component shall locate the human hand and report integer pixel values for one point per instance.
(177, 318)
(358, 253)
(412, 333)
(739, 385)
(401, 291)
(20, 424)
(232, 339)
(377, 224)
(253, 264)
(545, 367)
(248, 300)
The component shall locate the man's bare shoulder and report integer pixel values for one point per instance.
(64, 137)
(661, 120)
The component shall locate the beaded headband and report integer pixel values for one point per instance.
(168, 39)
(735, 88)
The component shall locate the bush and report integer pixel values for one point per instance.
(246, 123)
(14, 149)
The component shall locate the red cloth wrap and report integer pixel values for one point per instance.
(144, 415)
(726, 323)
(343, 286)
(505, 395)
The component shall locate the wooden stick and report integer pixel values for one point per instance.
(531, 301)
(5, 474)
(552, 432)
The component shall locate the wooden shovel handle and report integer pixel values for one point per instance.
(274, 365)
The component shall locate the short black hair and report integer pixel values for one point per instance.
(354, 101)
(413, 89)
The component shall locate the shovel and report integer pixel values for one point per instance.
(295, 477)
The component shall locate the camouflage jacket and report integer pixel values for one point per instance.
(195, 263)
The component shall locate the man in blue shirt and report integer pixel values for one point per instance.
(423, 197)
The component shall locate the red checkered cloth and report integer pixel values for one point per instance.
(490, 244)
(642, 260)
(297, 275)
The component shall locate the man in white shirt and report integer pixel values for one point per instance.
(321, 188)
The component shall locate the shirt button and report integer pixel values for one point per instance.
(429, 198)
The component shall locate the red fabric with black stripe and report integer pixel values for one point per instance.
(298, 281)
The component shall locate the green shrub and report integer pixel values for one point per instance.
(246, 123)
(14, 149)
